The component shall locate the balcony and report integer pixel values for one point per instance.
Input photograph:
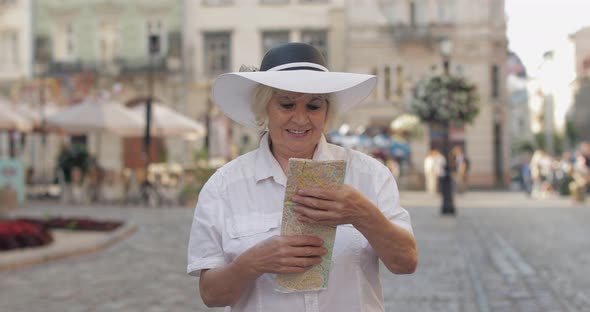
(425, 34)
(115, 67)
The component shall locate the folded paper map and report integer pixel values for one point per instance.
(305, 173)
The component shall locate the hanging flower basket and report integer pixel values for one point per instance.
(407, 125)
(445, 98)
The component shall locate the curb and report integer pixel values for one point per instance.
(31, 257)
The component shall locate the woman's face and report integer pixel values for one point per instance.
(296, 122)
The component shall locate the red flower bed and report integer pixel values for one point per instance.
(30, 232)
(21, 234)
(83, 224)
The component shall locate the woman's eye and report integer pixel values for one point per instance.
(313, 107)
(287, 105)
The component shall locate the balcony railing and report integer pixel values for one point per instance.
(404, 33)
(114, 67)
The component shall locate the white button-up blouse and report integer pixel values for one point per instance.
(242, 204)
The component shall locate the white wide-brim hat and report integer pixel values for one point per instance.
(295, 67)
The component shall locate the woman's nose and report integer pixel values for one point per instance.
(300, 116)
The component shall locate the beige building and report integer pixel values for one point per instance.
(89, 47)
(396, 40)
(580, 112)
(400, 41)
(220, 36)
(581, 40)
(15, 53)
(15, 40)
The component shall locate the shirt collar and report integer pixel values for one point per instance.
(267, 166)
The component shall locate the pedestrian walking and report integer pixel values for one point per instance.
(581, 174)
(461, 168)
(434, 164)
(526, 180)
(234, 244)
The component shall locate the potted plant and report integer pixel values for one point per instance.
(74, 156)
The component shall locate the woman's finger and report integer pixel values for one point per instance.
(302, 240)
(305, 219)
(312, 202)
(317, 192)
(315, 214)
(303, 262)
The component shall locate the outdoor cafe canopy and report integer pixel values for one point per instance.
(37, 115)
(10, 119)
(168, 122)
(98, 116)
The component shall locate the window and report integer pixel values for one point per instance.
(459, 69)
(217, 53)
(417, 13)
(399, 81)
(387, 82)
(7, 2)
(64, 42)
(217, 2)
(271, 39)
(155, 37)
(387, 9)
(80, 140)
(318, 39)
(446, 11)
(375, 93)
(108, 40)
(9, 49)
(274, 1)
(495, 81)
(413, 13)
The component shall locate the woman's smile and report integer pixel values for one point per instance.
(297, 133)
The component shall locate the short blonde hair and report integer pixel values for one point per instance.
(262, 95)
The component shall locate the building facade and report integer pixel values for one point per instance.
(580, 111)
(15, 59)
(396, 40)
(15, 41)
(113, 48)
(400, 42)
(222, 35)
(519, 114)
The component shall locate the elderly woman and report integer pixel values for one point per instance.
(235, 243)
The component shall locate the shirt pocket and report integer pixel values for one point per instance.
(245, 231)
(348, 246)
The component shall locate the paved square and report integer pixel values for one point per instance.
(502, 252)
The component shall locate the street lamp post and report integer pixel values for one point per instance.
(446, 181)
(154, 49)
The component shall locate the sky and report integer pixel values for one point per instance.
(536, 26)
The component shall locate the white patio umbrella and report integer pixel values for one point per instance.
(36, 142)
(168, 122)
(98, 116)
(10, 119)
(36, 115)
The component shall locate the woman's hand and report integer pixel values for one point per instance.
(344, 205)
(279, 254)
(284, 254)
(395, 246)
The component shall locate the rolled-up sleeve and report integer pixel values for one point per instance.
(205, 249)
(388, 202)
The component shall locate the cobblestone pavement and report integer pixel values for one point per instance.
(520, 255)
(517, 255)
